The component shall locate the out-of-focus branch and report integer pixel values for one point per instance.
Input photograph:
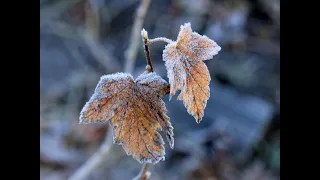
(131, 52)
(91, 36)
(92, 19)
(101, 54)
(52, 12)
(95, 160)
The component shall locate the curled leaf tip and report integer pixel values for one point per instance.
(198, 120)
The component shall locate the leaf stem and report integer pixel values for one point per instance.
(163, 39)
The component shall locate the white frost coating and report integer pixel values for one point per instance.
(152, 84)
(202, 53)
(119, 80)
(142, 77)
(178, 59)
(150, 78)
(218, 48)
(116, 76)
(154, 81)
(144, 34)
(123, 94)
(174, 43)
(100, 92)
(82, 120)
(183, 60)
(212, 50)
(186, 25)
(158, 39)
(175, 71)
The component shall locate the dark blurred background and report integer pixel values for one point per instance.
(239, 136)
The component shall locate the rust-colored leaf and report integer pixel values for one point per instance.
(136, 112)
(187, 71)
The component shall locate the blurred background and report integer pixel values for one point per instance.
(239, 136)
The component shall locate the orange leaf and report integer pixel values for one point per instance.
(136, 112)
(187, 71)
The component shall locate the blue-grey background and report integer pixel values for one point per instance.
(239, 136)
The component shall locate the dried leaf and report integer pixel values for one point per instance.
(187, 71)
(136, 112)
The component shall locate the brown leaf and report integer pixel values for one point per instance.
(136, 112)
(187, 71)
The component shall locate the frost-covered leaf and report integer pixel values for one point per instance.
(136, 112)
(187, 71)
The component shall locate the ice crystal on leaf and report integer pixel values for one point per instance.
(136, 112)
(186, 70)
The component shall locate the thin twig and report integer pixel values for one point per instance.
(144, 173)
(132, 50)
(95, 160)
(146, 42)
(144, 35)
(92, 19)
